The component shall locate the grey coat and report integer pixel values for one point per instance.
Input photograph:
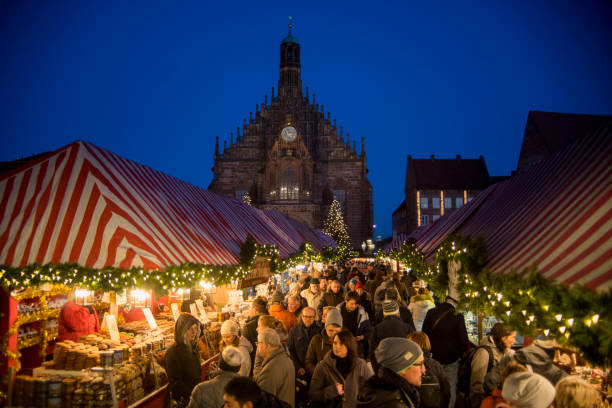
(209, 394)
(277, 376)
(480, 363)
(323, 384)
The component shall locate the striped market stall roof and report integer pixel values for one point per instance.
(396, 243)
(558, 215)
(87, 205)
(298, 231)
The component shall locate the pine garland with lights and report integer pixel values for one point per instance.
(527, 301)
(335, 227)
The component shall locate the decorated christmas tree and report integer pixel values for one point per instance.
(334, 226)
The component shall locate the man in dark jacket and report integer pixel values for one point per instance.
(333, 297)
(356, 320)
(405, 314)
(242, 392)
(259, 307)
(297, 344)
(322, 342)
(396, 383)
(448, 337)
(391, 326)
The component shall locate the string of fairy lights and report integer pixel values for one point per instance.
(528, 302)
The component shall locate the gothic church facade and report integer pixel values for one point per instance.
(291, 158)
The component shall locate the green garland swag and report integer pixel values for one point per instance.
(162, 281)
(526, 301)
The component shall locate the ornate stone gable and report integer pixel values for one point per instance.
(299, 176)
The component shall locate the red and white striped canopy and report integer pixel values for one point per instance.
(558, 214)
(300, 232)
(87, 205)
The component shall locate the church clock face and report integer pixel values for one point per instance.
(289, 134)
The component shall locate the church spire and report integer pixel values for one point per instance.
(290, 82)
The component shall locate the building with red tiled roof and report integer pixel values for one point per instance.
(548, 132)
(435, 187)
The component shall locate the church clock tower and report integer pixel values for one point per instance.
(291, 158)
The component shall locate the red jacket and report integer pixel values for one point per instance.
(76, 321)
(492, 400)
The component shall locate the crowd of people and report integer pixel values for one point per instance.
(370, 338)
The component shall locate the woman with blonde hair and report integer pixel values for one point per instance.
(573, 392)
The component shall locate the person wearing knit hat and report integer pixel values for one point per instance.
(230, 336)
(321, 344)
(402, 366)
(390, 326)
(390, 307)
(334, 318)
(277, 297)
(528, 390)
(210, 393)
(182, 358)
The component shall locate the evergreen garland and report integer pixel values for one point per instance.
(528, 302)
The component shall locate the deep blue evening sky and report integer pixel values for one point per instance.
(155, 81)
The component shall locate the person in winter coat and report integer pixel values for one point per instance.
(182, 360)
(299, 339)
(277, 310)
(365, 300)
(448, 336)
(499, 342)
(277, 374)
(210, 393)
(396, 383)
(390, 326)
(76, 321)
(420, 304)
(401, 288)
(336, 378)
(297, 344)
(493, 400)
(295, 304)
(333, 297)
(259, 307)
(313, 295)
(356, 320)
(538, 355)
(528, 390)
(405, 315)
(435, 369)
(573, 392)
(230, 336)
(321, 344)
(242, 392)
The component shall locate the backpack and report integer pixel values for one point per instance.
(465, 371)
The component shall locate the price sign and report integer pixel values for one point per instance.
(111, 323)
(150, 320)
(200, 305)
(175, 311)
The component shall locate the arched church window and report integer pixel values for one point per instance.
(289, 189)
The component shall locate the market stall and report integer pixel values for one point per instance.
(84, 220)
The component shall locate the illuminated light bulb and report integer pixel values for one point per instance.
(485, 288)
(532, 318)
(562, 329)
(520, 291)
(546, 332)
(546, 307)
(493, 303)
(595, 318)
(524, 312)
(527, 322)
(588, 323)
(508, 312)
(567, 335)
(559, 317)
(499, 296)
(570, 322)
(476, 294)
(507, 303)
